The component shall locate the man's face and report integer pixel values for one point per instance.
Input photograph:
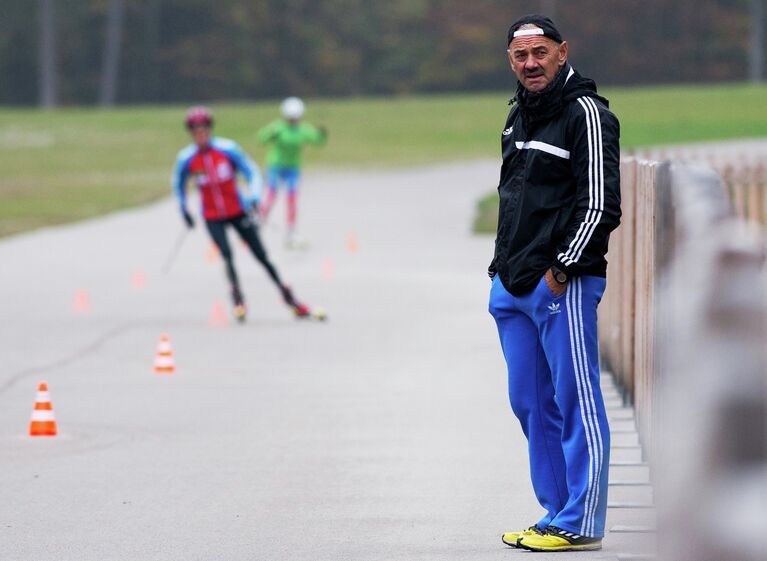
(536, 60)
(200, 135)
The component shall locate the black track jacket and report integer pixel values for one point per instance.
(559, 186)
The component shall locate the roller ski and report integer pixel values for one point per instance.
(301, 311)
(240, 311)
(295, 242)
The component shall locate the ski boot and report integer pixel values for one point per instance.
(240, 311)
(300, 310)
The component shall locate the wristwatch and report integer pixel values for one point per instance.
(559, 275)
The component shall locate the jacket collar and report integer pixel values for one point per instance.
(543, 105)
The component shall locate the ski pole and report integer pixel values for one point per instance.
(174, 250)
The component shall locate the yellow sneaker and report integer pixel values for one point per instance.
(511, 538)
(557, 539)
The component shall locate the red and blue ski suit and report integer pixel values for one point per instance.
(215, 170)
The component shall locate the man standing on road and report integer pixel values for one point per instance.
(214, 162)
(559, 200)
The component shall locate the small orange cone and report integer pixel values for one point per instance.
(328, 269)
(82, 302)
(43, 422)
(213, 253)
(217, 317)
(352, 245)
(163, 360)
(138, 280)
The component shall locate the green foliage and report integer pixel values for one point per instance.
(192, 50)
(665, 115)
(70, 164)
(486, 216)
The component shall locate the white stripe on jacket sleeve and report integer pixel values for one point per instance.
(596, 184)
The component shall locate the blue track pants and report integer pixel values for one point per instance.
(550, 346)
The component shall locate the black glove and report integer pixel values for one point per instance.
(323, 131)
(255, 213)
(188, 219)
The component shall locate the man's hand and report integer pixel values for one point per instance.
(554, 286)
(188, 219)
(323, 131)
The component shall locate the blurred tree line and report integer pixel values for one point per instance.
(184, 50)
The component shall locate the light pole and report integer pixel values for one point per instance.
(47, 55)
(111, 61)
(756, 55)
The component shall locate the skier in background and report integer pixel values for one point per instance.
(286, 138)
(214, 163)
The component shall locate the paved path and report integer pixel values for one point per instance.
(384, 434)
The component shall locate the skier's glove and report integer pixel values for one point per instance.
(188, 219)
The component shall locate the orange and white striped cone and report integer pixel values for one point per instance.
(82, 302)
(43, 422)
(163, 360)
(352, 243)
(138, 280)
(328, 269)
(217, 316)
(213, 254)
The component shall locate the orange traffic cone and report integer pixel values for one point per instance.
(138, 280)
(328, 269)
(163, 360)
(352, 245)
(82, 302)
(43, 421)
(217, 317)
(213, 254)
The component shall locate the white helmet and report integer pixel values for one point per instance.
(292, 108)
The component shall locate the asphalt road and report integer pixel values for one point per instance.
(383, 434)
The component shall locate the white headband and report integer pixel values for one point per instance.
(528, 32)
